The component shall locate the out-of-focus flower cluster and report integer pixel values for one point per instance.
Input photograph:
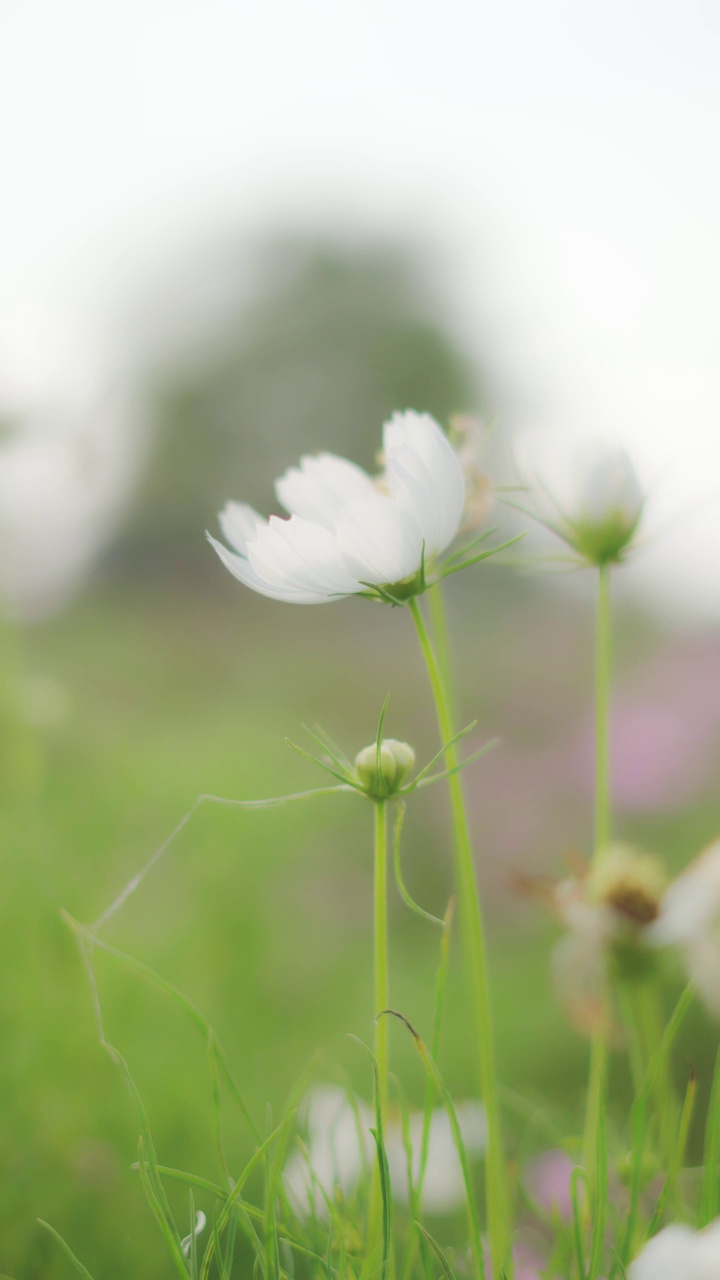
(620, 911)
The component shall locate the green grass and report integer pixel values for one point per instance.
(263, 919)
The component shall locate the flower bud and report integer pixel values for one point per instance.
(396, 761)
(609, 509)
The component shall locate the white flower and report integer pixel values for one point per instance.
(607, 910)
(346, 530)
(678, 1253)
(690, 919)
(594, 502)
(340, 1147)
(66, 476)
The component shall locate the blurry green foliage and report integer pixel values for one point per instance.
(334, 339)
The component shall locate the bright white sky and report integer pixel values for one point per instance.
(563, 156)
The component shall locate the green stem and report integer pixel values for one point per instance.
(381, 995)
(597, 1081)
(603, 662)
(473, 942)
(441, 641)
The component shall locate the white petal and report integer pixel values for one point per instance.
(702, 957)
(692, 902)
(321, 486)
(239, 523)
(244, 572)
(610, 487)
(424, 471)
(301, 555)
(708, 1252)
(380, 542)
(671, 1255)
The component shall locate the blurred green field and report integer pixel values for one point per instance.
(263, 919)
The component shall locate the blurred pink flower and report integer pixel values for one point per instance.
(548, 1182)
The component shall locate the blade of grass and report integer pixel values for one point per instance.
(471, 1200)
(86, 938)
(678, 1156)
(235, 1193)
(447, 1269)
(402, 888)
(711, 1161)
(162, 1215)
(81, 1270)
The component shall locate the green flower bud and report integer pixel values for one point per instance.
(396, 761)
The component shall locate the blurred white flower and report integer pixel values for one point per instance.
(65, 478)
(348, 531)
(678, 1253)
(340, 1146)
(690, 919)
(468, 438)
(592, 500)
(606, 909)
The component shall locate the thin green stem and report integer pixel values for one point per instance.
(473, 942)
(381, 994)
(441, 640)
(603, 666)
(597, 1082)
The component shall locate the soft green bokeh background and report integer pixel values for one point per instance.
(166, 680)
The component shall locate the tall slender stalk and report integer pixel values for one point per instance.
(473, 942)
(381, 993)
(603, 665)
(602, 830)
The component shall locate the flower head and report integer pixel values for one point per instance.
(607, 910)
(596, 507)
(349, 533)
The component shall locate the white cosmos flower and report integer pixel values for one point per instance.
(340, 1147)
(678, 1253)
(592, 499)
(690, 919)
(604, 908)
(347, 530)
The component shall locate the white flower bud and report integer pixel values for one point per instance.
(396, 761)
(610, 507)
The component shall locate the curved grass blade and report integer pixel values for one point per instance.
(160, 1209)
(81, 1270)
(234, 1195)
(678, 1155)
(442, 1089)
(402, 888)
(447, 1269)
(711, 1160)
(86, 938)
